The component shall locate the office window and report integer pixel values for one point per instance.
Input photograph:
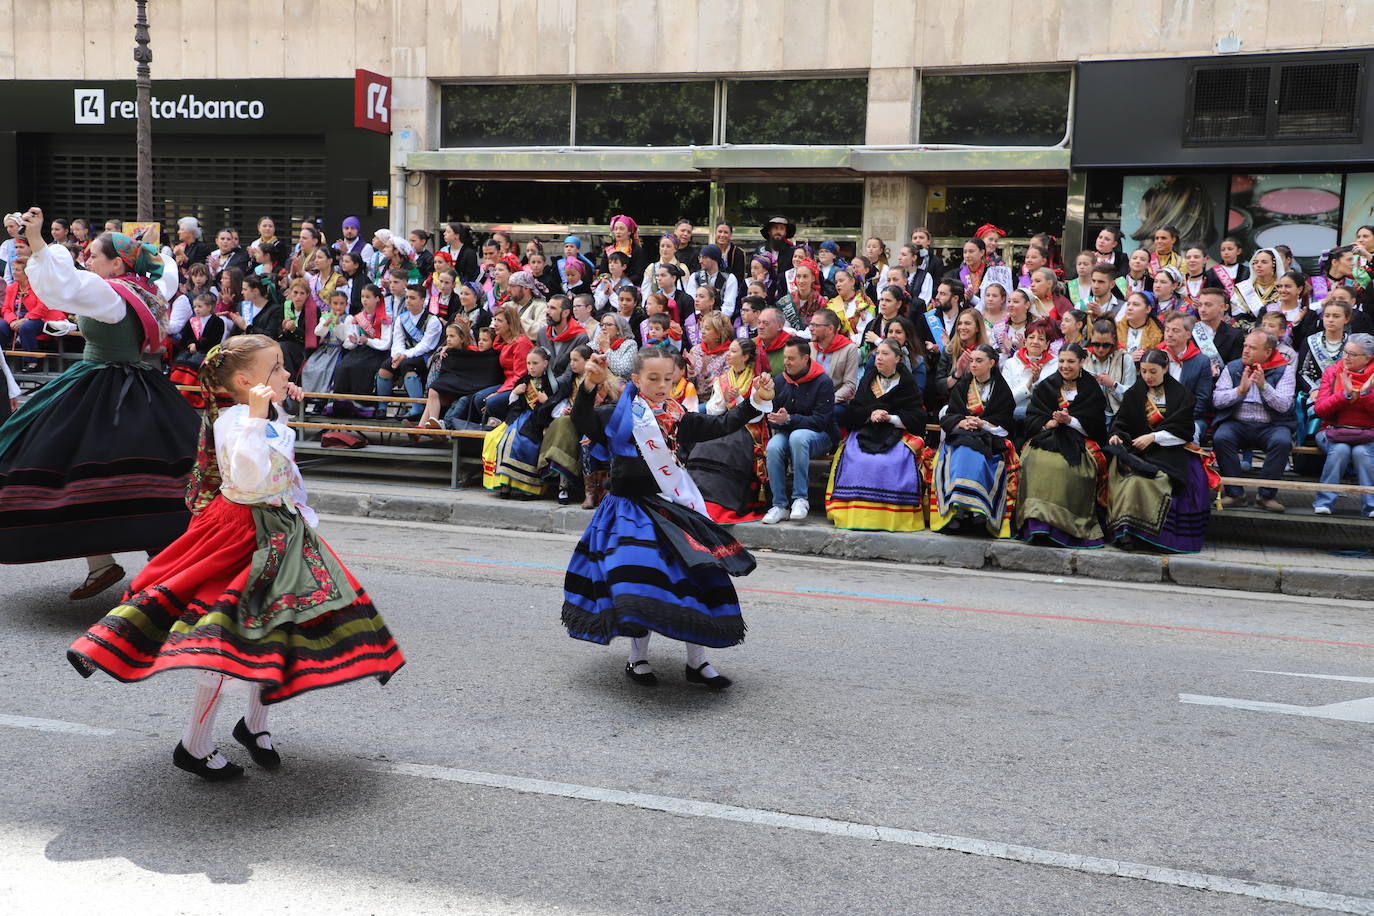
(995, 109)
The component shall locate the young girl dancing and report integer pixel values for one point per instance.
(651, 560)
(249, 591)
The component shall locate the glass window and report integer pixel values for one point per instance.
(825, 205)
(505, 114)
(815, 112)
(576, 203)
(995, 109)
(645, 114)
(1022, 212)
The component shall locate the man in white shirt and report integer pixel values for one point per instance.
(414, 336)
(712, 273)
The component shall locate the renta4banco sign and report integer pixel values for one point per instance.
(92, 107)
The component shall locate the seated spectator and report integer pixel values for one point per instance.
(853, 307)
(606, 287)
(584, 314)
(1324, 349)
(510, 452)
(1189, 365)
(658, 304)
(667, 282)
(1219, 341)
(471, 307)
(512, 346)
(969, 333)
(9, 392)
(627, 306)
(205, 329)
(902, 332)
(24, 315)
(1073, 329)
(619, 346)
(1046, 288)
(683, 390)
(750, 308)
(1276, 324)
(1137, 330)
(893, 301)
(1062, 463)
(773, 337)
(731, 471)
(711, 273)
(1109, 364)
(875, 479)
(414, 336)
(1104, 299)
(1009, 334)
(973, 479)
(802, 427)
(1345, 403)
(560, 334)
(564, 450)
(805, 298)
(1254, 400)
(1158, 493)
(1168, 281)
(1137, 278)
(527, 294)
(367, 347)
(1023, 371)
(659, 331)
(707, 360)
(994, 306)
(837, 355)
(461, 370)
(705, 301)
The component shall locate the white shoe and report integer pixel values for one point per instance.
(800, 509)
(774, 515)
(1321, 510)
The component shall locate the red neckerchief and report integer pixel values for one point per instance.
(1022, 355)
(674, 331)
(570, 332)
(1278, 359)
(839, 341)
(668, 414)
(1188, 353)
(1357, 379)
(716, 350)
(814, 372)
(778, 342)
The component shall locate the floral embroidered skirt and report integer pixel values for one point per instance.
(250, 592)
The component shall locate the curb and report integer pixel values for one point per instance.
(925, 548)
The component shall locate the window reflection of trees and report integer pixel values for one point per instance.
(995, 109)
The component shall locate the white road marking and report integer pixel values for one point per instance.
(1359, 710)
(55, 725)
(687, 807)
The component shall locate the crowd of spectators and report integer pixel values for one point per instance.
(1071, 392)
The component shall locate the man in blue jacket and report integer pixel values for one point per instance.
(803, 427)
(1189, 366)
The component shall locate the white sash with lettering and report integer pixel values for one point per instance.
(674, 483)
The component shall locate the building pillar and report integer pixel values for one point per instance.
(893, 206)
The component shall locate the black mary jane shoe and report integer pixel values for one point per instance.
(200, 766)
(719, 682)
(644, 678)
(265, 757)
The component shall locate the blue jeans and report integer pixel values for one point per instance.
(1338, 459)
(469, 407)
(1233, 436)
(802, 445)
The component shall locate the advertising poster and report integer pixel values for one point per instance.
(1194, 204)
(1359, 204)
(1301, 211)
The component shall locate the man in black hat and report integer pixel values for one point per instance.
(777, 238)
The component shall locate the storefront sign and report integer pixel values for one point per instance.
(91, 107)
(372, 101)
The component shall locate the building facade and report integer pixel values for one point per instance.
(852, 117)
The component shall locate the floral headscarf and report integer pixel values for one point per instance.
(140, 257)
(631, 227)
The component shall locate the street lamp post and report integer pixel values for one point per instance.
(143, 56)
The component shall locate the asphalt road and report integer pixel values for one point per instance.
(1036, 725)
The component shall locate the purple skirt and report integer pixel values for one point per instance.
(1185, 517)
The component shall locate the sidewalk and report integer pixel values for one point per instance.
(1256, 569)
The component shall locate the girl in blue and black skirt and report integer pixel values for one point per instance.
(652, 561)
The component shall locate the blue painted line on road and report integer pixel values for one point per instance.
(848, 594)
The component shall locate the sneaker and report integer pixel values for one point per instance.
(774, 515)
(800, 509)
(1369, 513)
(1321, 510)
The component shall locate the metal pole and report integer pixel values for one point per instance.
(143, 56)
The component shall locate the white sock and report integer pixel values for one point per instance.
(99, 562)
(256, 717)
(696, 657)
(199, 739)
(639, 652)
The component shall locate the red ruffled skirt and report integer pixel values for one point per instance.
(183, 611)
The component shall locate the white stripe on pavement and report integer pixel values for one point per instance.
(55, 725)
(687, 807)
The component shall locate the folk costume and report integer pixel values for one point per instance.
(875, 481)
(249, 592)
(510, 452)
(367, 347)
(731, 472)
(1063, 469)
(95, 462)
(975, 473)
(1160, 496)
(651, 561)
(331, 333)
(205, 333)
(1250, 300)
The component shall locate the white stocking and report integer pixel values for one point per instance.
(696, 657)
(639, 651)
(99, 562)
(199, 739)
(256, 717)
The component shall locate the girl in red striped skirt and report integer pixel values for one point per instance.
(249, 592)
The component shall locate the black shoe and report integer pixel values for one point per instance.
(265, 757)
(719, 682)
(563, 497)
(503, 491)
(197, 765)
(646, 678)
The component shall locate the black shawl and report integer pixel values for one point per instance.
(1131, 422)
(997, 410)
(1089, 408)
(903, 401)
